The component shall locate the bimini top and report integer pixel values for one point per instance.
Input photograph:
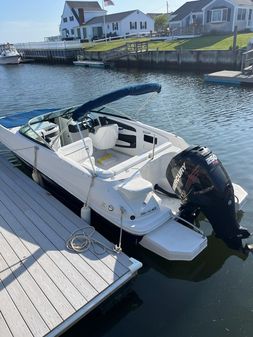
(77, 112)
(133, 90)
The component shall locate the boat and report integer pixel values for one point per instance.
(9, 54)
(147, 182)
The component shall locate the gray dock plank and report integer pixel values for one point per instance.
(71, 293)
(66, 266)
(118, 263)
(11, 315)
(24, 305)
(4, 329)
(28, 284)
(22, 211)
(40, 276)
(44, 287)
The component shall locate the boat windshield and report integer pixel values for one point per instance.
(111, 111)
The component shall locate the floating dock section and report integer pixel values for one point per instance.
(45, 288)
(90, 64)
(230, 77)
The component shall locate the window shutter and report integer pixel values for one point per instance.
(208, 18)
(229, 14)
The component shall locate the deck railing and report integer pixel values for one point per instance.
(50, 45)
(247, 60)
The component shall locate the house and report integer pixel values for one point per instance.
(77, 13)
(118, 24)
(212, 16)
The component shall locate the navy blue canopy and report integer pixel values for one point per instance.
(134, 90)
(22, 118)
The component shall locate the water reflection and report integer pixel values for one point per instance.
(209, 262)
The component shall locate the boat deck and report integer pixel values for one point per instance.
(45, 288)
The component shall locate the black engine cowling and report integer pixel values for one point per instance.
(200, 180)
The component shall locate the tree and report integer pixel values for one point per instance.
(161, 23)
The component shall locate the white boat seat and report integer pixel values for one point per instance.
(105, 137)
(77, 151)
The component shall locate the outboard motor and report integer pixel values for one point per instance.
(199, 179)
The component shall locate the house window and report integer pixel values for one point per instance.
(115, 26)
(133, 25)
(84, 33)
(72, 32)
(65, 19)
(143, 25)
(219, 15)
(241, 14)
(71, 18)
(250, 14)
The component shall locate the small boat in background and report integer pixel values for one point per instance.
(9, 54)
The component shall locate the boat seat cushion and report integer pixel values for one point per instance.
(77, 151)
(105, 137)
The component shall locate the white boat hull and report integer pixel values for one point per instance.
(120, 169)
(10, 59)
(174, 241)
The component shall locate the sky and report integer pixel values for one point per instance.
(32, 20)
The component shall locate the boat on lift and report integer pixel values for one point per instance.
(9, 54)
(148, 182)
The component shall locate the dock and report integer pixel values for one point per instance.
(89, 64)
(45, 288)
(230, 77)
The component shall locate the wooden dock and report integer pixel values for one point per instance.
(45, 288)
(230, 77)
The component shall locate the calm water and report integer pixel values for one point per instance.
(211, 296)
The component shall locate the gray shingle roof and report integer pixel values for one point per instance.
(190, 6)
(109, 18)
(86, 5)
(244, 2)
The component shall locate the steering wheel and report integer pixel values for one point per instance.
(89, 123)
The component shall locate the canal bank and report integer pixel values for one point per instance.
(193, 60)
(180, 59)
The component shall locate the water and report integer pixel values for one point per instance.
(211, 295)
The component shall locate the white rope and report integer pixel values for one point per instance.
(81, 240)
(118, 248)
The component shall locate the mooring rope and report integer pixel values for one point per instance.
(81, 240)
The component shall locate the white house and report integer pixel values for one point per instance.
(77, 13)
(118, 24)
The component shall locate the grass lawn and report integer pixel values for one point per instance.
(103, 46)
(221, 42)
